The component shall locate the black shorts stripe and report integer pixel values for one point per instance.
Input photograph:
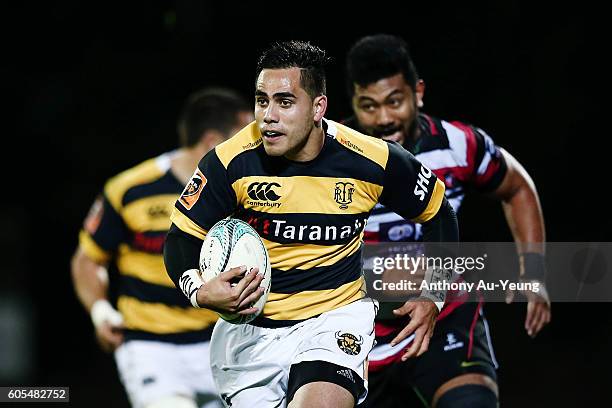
(314, 371)
(151, 293)
(327, 277)
(261, 321)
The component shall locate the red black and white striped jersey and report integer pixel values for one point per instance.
(461, 155)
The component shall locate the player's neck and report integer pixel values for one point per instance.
(412, 138)
(185, 161)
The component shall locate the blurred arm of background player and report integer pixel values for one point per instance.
(521, 205)
(90, 280)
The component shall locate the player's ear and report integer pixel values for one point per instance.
(319, 107)
(420, 93)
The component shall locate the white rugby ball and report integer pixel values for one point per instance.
(231, 243)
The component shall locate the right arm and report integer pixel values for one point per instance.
(207, 198)
(102, 232)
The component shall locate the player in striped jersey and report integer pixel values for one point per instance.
(161, 343)
(459, 368)
(307, 185)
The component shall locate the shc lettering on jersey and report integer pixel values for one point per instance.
(421, 188)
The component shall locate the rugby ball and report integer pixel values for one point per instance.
(231, 243)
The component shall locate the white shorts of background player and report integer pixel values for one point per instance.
(152, 371)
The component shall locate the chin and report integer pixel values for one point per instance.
(274, 150)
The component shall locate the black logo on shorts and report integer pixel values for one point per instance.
(263, 191)
(148, 380)
(349, 343)
(343, 194)
(227, 399)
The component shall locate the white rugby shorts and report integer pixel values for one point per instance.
(251, 364)
(151, 370)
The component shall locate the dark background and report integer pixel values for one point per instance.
(89, 90)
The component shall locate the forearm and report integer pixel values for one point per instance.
(181, 253)
(443, 226)
(86, 279)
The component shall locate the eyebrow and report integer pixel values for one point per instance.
(276, 95)
(395, 91)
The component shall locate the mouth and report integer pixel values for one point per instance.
(393, 134)
(271, 135)
(394, 137)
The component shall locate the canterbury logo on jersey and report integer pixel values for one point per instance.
(422, 186)
(275, 229)
(262, 194)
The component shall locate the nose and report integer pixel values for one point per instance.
(271, 114)
(384, 117)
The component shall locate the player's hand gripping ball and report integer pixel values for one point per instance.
(231, 243)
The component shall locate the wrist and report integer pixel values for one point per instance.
(533, 266)
(438, 303)
(434, 290)
(190, 284)
(103, 312)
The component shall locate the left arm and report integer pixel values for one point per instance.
(523, 212)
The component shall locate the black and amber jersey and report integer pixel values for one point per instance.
(310, 215)
(128, 224)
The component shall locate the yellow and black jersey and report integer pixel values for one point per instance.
(311, 215)
(128, 224)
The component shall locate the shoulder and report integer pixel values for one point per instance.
(143, 173)
(371, 148)
(249, 138)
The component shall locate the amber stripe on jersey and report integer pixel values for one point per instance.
(305, 194)
(434, 204)
(162, 319)
(306, 304)
(149, 213)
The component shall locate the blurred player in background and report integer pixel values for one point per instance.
(316, 182)
(459, 368)
(161, 343)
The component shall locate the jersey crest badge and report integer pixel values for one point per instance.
(192, 191)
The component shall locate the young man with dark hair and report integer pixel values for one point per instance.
(160, 342)
(459, 368)
(309, 345)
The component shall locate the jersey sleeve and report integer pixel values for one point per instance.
(207, 198)
(487, 164)
(410, 189)
(103, 231)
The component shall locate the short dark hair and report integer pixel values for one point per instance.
(209, 109)
(298, 54)
(379, 56)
